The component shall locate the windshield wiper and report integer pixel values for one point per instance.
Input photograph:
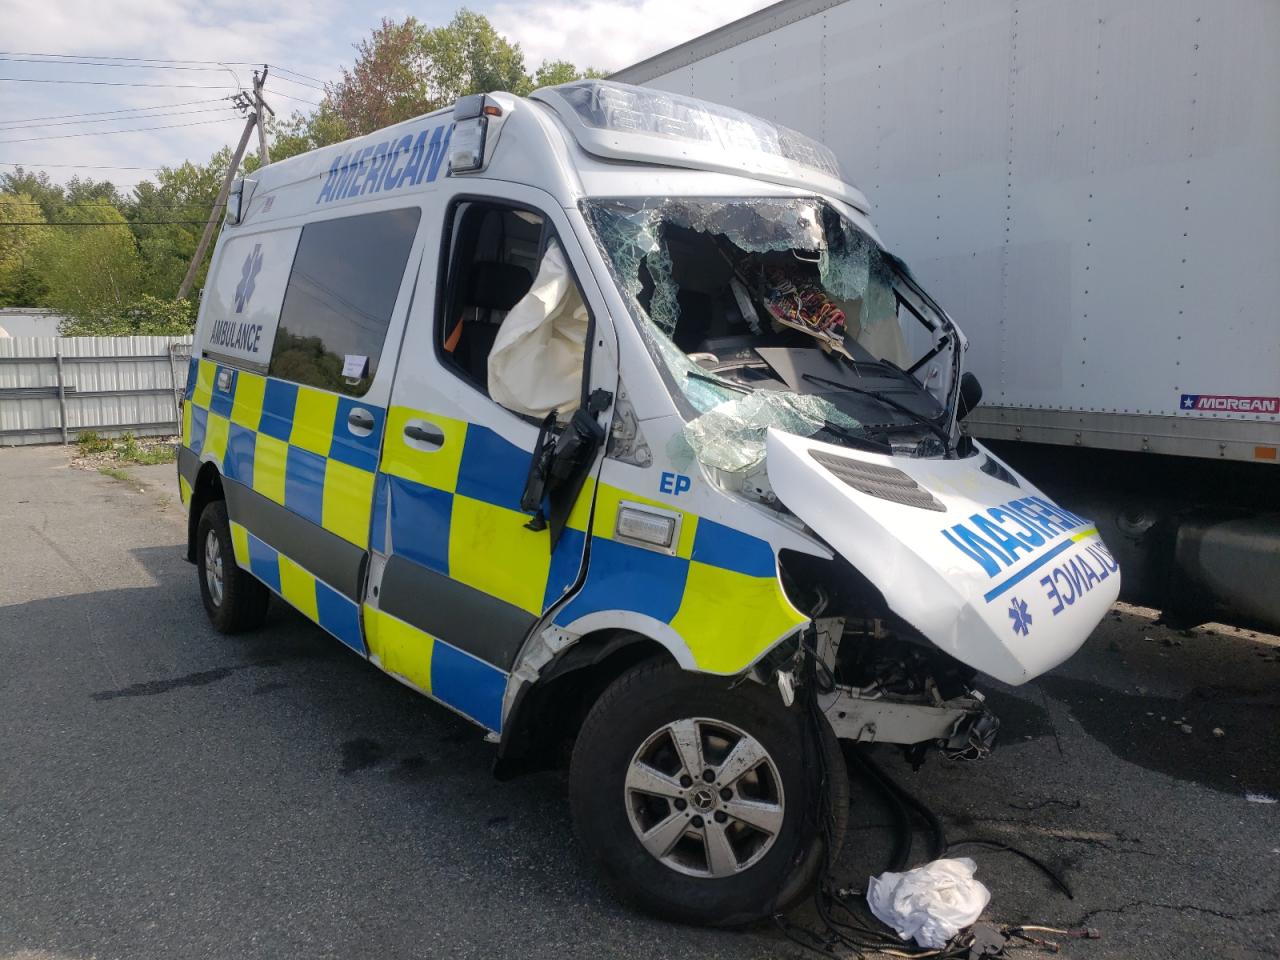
(708, 378)
(868, 443)
(919, 418)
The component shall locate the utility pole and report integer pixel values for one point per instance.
(218, 206)
(260, 106)
(255, 105)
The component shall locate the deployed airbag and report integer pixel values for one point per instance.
(535, 366)
(931, 903)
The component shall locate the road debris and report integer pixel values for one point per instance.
(931, 903)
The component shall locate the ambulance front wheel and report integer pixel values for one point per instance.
(704, 802)
(234, 600)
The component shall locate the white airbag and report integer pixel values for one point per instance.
(535, 366)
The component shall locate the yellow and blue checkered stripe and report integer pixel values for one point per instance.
(455, 509)
(440, 670)
(719, 591)
(300, 589)
(287, 442)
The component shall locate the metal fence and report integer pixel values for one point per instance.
(52, 388)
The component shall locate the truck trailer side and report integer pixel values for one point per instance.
(1091, 191)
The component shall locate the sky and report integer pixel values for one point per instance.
(310, 38)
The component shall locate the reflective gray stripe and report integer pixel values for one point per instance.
(462, 616)
(335, 561)
(188, 465)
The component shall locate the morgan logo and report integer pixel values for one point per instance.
(1222, 404)
(248, 277)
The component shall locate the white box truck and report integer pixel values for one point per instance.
(1092, 190)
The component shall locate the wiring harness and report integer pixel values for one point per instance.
(847, 927)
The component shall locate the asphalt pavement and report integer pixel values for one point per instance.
(168, 792)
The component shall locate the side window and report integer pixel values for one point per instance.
(513, 321)
(338, 303)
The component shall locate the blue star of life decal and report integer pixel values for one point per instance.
(1020, 617)
(248, 275)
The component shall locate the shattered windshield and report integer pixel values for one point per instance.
(779, 312)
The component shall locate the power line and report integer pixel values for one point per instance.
(277, 93)
(78, 166)
(98, 113)
(280, 69)
(107, 63)
(83, 204)
(309, 86)
(146, 116)
(220, 63)
(103, 56)
(121, 223)
(104, 133)
(117, 83)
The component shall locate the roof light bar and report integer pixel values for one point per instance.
(625, 109)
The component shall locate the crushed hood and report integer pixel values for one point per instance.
(969, 553)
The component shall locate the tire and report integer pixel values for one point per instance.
(774, 864)
(243, 601)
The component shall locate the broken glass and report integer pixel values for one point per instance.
(631, 238)
(852, 268)
(701, 274)
(731, 436)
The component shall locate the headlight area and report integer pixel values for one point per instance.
(879, 679)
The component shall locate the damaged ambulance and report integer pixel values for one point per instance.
(603, 418)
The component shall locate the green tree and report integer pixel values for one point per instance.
(301, 132)
(167, 217)
(37, 186)
(80, 192)
(387, 82)
(468, 56)
(553, 72)
(405, 69)
(21, 284)
(91, 270)
(147, 316)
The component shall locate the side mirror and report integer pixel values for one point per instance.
(970, 394)
(560, 464)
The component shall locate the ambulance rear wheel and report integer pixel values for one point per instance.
(233, 598)
(704, 804)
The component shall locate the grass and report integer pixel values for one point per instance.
(89, 442)
(133, 452)
(126, 450)
(115, 473)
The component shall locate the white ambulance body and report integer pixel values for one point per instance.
(602, 415)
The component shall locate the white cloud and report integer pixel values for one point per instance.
(172, 29)
(611, 34)
(311, 36)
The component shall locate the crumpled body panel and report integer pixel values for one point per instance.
(996, 575)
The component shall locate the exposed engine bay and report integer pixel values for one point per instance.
(878, 680)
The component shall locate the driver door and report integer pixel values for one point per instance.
(458, 577)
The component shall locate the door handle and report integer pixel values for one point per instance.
(424, 435)
(360, 422)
